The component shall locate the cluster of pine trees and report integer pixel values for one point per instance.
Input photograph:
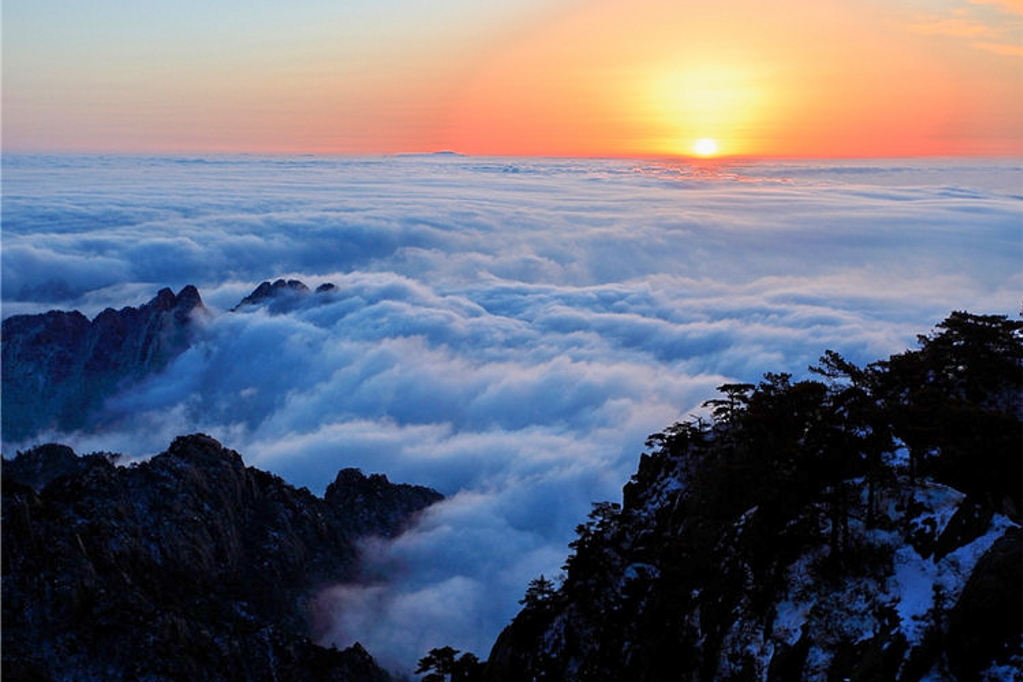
(950, 411)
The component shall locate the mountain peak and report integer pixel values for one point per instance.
(40, 465)
(189, 297)
(281, 294)
(200, 448)
(267, 291)
(60, 367)
(352, 493)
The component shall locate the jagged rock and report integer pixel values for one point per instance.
(60, 367)
(267, 292)
(374, 505)
(40, 465)
(986, 621)
(281, 295)
(187, 566)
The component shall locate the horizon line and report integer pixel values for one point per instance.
(448, 153)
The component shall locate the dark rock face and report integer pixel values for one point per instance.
(267, 292)
(372, 504)
(789, 540)
(188, 566)
(60, 367)
(986, 622)
(283, 295)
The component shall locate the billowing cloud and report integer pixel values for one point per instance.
(505, 331)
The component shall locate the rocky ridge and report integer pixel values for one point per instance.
(866, 527)
(187, 566)
(280, 294)
(61, 369)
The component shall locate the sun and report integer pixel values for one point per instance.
(705, 147)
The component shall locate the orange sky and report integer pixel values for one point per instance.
(792, 78)
(804, 78)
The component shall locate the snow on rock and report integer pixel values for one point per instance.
(899, 589)
(922, 585)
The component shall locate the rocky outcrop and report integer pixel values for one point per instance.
(60, 367)
(653, 594)
(187, 566)
(44, 463)
(267, 292)
(798, 537)
(280, 295)
(372, 505)
(986, 621)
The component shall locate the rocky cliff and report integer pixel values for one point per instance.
(187, 566)
(864, 527)
(60, 367)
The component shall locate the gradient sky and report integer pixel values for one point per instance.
(824, 78)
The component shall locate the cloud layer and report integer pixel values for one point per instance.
(506, 331)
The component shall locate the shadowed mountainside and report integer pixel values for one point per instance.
(863, 527)
(60, 367)
(187, 566)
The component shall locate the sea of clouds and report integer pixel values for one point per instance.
(507, 331)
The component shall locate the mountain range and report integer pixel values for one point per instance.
(863, 524)
(61, 369)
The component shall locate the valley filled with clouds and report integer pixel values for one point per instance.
(505, 331)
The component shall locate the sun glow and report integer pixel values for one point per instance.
(614, 79)
(706, 110)
(705, 147)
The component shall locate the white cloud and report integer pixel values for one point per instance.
(509, 338)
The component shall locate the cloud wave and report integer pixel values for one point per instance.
(507, 331)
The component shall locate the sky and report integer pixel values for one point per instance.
(579, 78)
(507, 331)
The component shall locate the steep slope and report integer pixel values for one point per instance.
(60, 367)
(812, 531)
(187, 566)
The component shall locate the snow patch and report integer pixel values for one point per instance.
(790, 617)
(924, 585)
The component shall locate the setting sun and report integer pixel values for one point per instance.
(799, 78)
(705, 147)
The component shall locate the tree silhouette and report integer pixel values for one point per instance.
(539, 593)
(957, 403)
(441, 665)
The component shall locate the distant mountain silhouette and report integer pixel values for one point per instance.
(267, 292)
(60, 367)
